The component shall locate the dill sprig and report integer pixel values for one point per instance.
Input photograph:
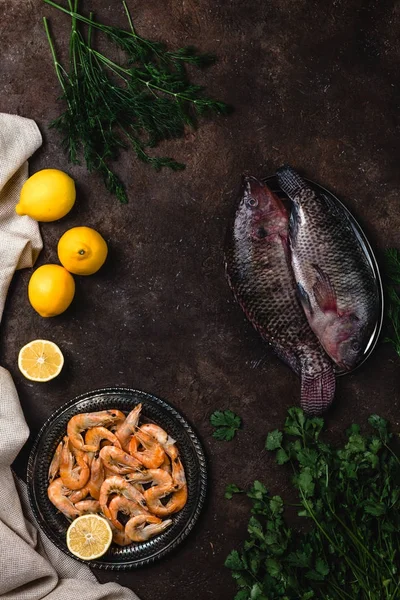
(393, 311)
(110, 106)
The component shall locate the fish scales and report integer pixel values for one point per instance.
(336, 283)
(257, 262)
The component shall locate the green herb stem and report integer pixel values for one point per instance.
(350, 497)
(57, 65)
(139, 103)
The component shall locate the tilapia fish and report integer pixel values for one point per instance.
(257, 262)
(335, 282)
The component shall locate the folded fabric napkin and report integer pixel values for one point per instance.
(31, 567)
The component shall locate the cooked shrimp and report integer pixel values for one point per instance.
(96, 435)
(177, 501)
(55, 462)
(125, 506)
(157, 478)
(74, 477)
(118, 485)
(166, 465)
(78, 495)
(96, 477)
(84, 421)
(107, 472)
(138, 531)
(128, 426)
(162, 438)
(57, 493)
(87, 507)
(120, 537)
(178, 472)
(151, 455)
(118, 461)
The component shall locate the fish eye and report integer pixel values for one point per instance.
(251, 202)
(261, 232)
(355, 346)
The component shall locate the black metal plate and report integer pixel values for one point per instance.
(272, 183)
(55, 525)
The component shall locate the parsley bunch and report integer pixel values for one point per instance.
(349, 497)
(146, 99)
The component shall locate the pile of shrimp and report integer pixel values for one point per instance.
(108, 464)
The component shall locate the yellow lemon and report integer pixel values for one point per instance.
(47, 195)
(89, 537)
(40, 360)
(82, 250)
(51, 290)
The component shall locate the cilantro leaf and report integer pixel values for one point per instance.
(242, 595)
(282, 456)
(258, 491)
(321, 567)
(374, 508)
(274, 440)
(231, 489)
(273, 567)
(256, 592)
(380, 425)
(276, 505)
(234, 562)
(226, 423)
(305, 482)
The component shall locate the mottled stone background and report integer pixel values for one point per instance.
(313, 83)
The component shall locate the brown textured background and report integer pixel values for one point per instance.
(313, 83)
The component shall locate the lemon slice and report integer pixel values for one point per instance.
(89, 537)
(40, 360)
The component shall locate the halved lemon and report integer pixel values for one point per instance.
(89, 537)
(40, 360)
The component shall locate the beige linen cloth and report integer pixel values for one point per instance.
(31, 567)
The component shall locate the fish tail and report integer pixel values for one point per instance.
(290, 181)
(317, 391)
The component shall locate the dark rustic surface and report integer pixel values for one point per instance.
(313, 83)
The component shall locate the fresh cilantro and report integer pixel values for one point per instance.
(233, 561)
(349, 497)
(282, 456)
(231, 489)
(226, 423)
(274, 440)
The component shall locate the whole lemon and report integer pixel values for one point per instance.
(51, 290)
(47, 195)
(82, 250)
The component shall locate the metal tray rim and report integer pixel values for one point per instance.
(203, 478)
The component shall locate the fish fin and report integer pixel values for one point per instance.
(317, 391)
(324, 291)
(291, 182)
(294, 222)
(332, 205)
(304, 299)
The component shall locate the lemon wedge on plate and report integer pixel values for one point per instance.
(40, 360)
(89, 537)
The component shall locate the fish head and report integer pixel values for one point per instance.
(262, 211)
(351, 339)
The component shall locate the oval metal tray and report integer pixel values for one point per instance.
(272, 183)
(55, 525)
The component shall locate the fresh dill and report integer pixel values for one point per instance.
(110, 106)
